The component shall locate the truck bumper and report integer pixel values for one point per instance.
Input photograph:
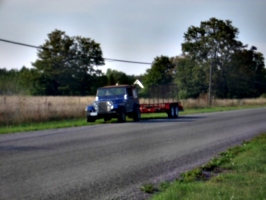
(111, 114)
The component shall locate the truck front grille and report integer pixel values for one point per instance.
(102, 107)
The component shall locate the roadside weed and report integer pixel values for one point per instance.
(148, 188)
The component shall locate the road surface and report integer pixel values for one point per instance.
(112, 161)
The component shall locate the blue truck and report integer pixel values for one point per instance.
(117, 101)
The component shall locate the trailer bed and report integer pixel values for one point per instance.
(159, 107)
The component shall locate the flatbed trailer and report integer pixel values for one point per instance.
(162, 98)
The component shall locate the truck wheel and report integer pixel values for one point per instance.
(122, 115)
(176, 112)
(136, 115)
(106, 119)
(90, 119)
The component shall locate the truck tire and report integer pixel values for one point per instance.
(107, 119)
(122, 115)
(136, 115)
(90, 119)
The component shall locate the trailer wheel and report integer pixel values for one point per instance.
(136, 115)
(122, 115)
(171, 112)
(176, 112)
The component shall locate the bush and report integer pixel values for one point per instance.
(263, 96)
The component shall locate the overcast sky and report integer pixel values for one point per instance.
(136, 30)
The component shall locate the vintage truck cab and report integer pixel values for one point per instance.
(117, 101)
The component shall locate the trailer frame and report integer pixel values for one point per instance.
(162, 98)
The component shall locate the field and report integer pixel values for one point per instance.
(29, 109)
(23, 109)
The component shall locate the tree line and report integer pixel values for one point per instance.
(212, 61)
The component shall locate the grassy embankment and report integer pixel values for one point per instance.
(26, 113)
(238, 173)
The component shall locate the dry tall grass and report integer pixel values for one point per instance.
(22, 109)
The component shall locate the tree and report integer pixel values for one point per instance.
(248, 75)
(190, 78)
(30, 80)
(161, 72)
(10, 82)
(65, 65)
(119, 77)
(213, 46)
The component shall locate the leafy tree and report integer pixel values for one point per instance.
(214, 48)
(30, 80)
(190, 78)
(99, 80)
(119, 77)
(248, 74)
(10, 82)
(161, 72)
(65, 65)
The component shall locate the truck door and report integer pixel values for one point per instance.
(130, 100)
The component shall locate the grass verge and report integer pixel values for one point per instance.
(238, 173)
(82, 122)
(46, 125)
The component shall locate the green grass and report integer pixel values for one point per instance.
(42, 125)
(82, 122)
(238, 173)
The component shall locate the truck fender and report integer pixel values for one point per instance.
(90, 108)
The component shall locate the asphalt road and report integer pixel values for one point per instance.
(112, 161)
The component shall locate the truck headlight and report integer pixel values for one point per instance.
(95, 105)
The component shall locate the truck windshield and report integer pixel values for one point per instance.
(111, 91)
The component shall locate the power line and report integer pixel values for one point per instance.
(18, 43)
(107, 59)
(127, 61)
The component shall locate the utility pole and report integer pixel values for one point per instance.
(210, 85)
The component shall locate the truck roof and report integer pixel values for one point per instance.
(117, 86)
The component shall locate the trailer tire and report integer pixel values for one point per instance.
(171, 112)
(136, 115)
(176, 112)
(122, 115)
